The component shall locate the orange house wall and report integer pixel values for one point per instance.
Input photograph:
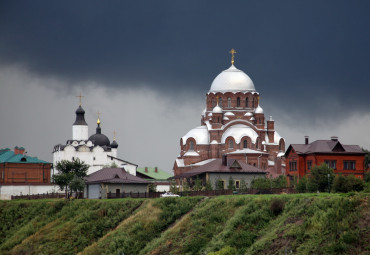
(318, 159)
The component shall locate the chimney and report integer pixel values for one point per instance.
(156, 169)
(334, 138)
(224, 160)
(18, 150)
(306, 139)
(146, 169)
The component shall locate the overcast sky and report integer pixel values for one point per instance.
(147, 66)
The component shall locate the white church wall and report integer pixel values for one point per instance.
(80, 132)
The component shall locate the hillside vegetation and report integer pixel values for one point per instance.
(239, 224)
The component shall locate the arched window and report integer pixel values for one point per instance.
(246, 102)
(220, 101)
(231, 144)
(238, 102)
(245, 144)
(191, 146)
(253, 102)
(229, 102)
(213, 102)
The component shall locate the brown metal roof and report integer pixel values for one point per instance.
(216, 166)
(113, 175)
(326, 146)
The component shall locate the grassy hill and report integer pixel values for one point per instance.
(241, 224)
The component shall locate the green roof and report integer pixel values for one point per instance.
(159, 175)
(8, 156)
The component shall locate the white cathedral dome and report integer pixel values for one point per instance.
(258, 109)
(232, 80)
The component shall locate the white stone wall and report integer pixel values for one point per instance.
(163, 188)
(6, 191)
(80, 132)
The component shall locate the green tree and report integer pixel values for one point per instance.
(197, 184)
(219, 184)
(321, 176)
(367, 176)
(243, 185)
(208, 185)
(231, 184)
(152, 187)
(173, 187)
(67, 172)
(302, 185)
(367, 158)
(261, 183)
(77, 185)
(279, 182)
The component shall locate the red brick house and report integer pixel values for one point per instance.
(344, 159)
(18, 168)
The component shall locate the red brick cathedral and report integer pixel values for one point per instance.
(232, 124)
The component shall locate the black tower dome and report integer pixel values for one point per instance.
(99, 138)
(80, 117)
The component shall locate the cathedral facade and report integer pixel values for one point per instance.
(232, 124)
(96, 151)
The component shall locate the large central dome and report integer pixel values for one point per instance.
(232, 80)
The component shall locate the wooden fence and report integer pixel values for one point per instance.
(40, 196)
(206, 193)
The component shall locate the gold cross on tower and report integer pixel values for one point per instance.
(114, 135)
(98, 117)
(80, 96)
(232, 52)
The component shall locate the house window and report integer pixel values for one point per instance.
(213, 102)
(246, 102)
(245, 144)
(237, 184)
(331, 163)
(309, 164)
(93, 158)
(73, 158)
(220, 101)
(349, 165)
(293, 165)
(231, 144)
(238, 102)
(191, 146)
(229, 102)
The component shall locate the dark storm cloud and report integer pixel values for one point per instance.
(310, 55)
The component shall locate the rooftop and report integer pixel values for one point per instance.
(151, 173)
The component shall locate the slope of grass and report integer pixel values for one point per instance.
(135, 232)
(76, 225)
(243, 224)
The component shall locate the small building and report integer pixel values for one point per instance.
(23, 175)
(113, 180)
(215, 170)
(156, 176)
(343, 159)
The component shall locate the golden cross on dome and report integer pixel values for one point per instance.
(80, 96)
(232, 52)
(98, 117)
(114, 135)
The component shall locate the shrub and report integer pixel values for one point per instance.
(302, 185)
(261, 183)
(319, 177)
(277, 206)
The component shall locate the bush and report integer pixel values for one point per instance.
(346, 184)
(319, 178)
(261, 183)
(302, 185)
(277, 206)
